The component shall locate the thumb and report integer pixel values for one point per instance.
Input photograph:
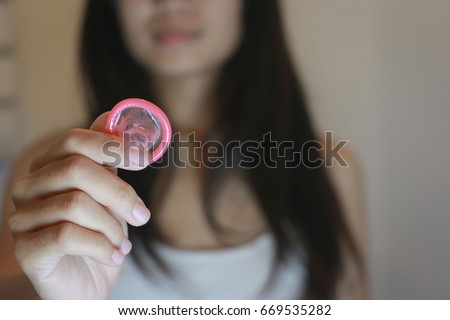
(131, 158)
(100, 123)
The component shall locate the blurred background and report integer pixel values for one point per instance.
(377, 73)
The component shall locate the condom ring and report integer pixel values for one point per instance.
(142, 124)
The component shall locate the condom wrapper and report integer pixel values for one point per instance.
(142, 124)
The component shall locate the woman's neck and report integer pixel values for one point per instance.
(188, 100)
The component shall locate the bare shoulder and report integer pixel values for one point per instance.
(346, 177)
(19, 167)
(345, 173)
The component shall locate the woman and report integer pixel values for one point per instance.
(220, 69)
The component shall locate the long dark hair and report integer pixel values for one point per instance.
(259, 93)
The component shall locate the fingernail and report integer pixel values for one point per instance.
(125, 246)
(140, 213)
(137, 157)
(117, 257)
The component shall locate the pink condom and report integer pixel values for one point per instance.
(142, 124)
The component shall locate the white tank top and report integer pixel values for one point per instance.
(239, 272)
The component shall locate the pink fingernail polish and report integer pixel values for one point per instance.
(125, 246)
(137, 157)
(117, 257)
(140, 213)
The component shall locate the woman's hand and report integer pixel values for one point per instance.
(69, 224)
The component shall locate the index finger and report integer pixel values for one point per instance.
(95, 144)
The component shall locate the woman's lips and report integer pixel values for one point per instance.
(175, 38)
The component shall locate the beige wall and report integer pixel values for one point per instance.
(377, 73)
(46, 40)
